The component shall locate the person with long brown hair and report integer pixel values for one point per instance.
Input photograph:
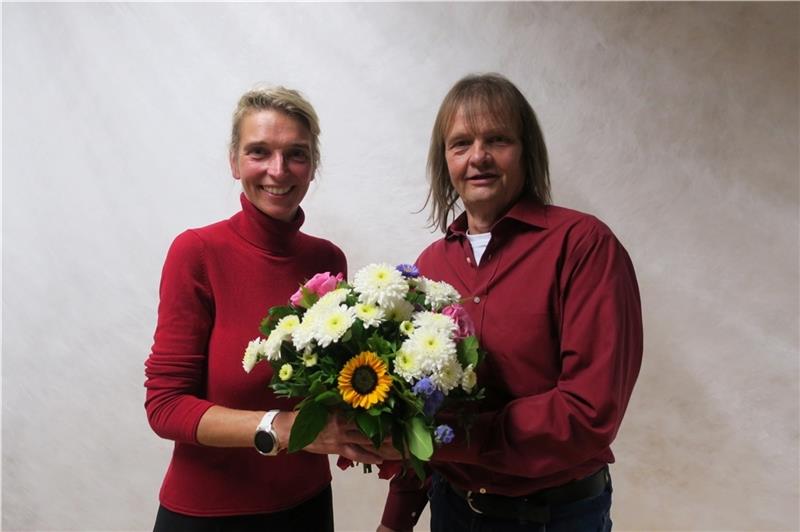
(555, 303)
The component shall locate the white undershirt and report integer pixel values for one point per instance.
(479, 243)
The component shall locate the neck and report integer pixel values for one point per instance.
(480, 221)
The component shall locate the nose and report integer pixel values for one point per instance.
(479, 155)
(276, 165)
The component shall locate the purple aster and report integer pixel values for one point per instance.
(424, 386)
(443, 434)
(432, 403)
(408, 270)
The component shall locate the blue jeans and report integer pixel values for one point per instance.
(451, 513)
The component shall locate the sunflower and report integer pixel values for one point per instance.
(364, 380)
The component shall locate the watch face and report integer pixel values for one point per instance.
(264, 442)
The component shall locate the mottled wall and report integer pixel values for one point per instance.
(675, 123)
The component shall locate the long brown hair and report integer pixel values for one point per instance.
(497, 96)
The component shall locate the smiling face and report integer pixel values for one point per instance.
(484, 159)
(273, 161)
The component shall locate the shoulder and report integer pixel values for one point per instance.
(577, 227)
(323, 249)
(433, 253)
(580, 221)
(319, 245)
(585, 239)
(194, 241)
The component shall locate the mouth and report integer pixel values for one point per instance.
(275, 191)
(485, 177)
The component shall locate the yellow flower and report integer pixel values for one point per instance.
(364, 380)
(286, 372)
(309, 359)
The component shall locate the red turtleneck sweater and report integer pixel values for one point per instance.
(217, 284)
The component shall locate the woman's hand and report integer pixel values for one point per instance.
(337, 437)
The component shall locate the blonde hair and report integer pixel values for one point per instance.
(497, 96)
(288, 101)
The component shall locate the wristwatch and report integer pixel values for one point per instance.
(266, 440)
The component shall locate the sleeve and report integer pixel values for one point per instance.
(176, 368)
(601, 351)
(405, 501)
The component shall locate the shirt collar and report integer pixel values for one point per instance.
(526, 211)
(265, 232)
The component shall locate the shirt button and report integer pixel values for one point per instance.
(469, 260)
(482, 490)
(413, 514)
(476, 299)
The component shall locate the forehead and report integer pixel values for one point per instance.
(475, 115)
(259, 123)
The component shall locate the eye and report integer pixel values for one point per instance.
(256, 152)
(299, 155)
(499, 140)
(459, 144)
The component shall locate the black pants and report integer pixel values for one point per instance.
(315, 514)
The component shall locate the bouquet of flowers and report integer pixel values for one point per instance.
(388, 352)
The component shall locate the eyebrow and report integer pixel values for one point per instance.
(494, 131)
(255, 143)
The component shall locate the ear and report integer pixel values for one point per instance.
(233, 160)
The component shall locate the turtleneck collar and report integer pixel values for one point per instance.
(274, 236)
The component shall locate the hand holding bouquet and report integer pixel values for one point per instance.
(388, 352)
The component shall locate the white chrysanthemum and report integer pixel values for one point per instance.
(431, 348)
(303, 335)
(381, 284)
(334, 298)
(405, 366)
(333, 324)
(438, 294)
(251, 354)
(400, 311)
(309, 329)
(371, 315)
(469, 379)
(286, 326)
(449, 376)
(272, 346)
(434, 320)
(309, 359)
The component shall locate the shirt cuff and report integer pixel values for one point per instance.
(404, 505)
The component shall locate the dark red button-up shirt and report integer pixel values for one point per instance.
(556, 305)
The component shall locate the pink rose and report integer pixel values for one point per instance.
(320, 284)
(462, 319)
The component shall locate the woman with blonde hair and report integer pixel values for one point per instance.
(229, 470)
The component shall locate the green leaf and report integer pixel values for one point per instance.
(329, 398)
(418, 468)
(468, 351)
(369, 425)
(379, 345)
(309, 423)
(316, 387)
(419, 438)
(309, 297)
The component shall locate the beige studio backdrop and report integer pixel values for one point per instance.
(677, 124)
